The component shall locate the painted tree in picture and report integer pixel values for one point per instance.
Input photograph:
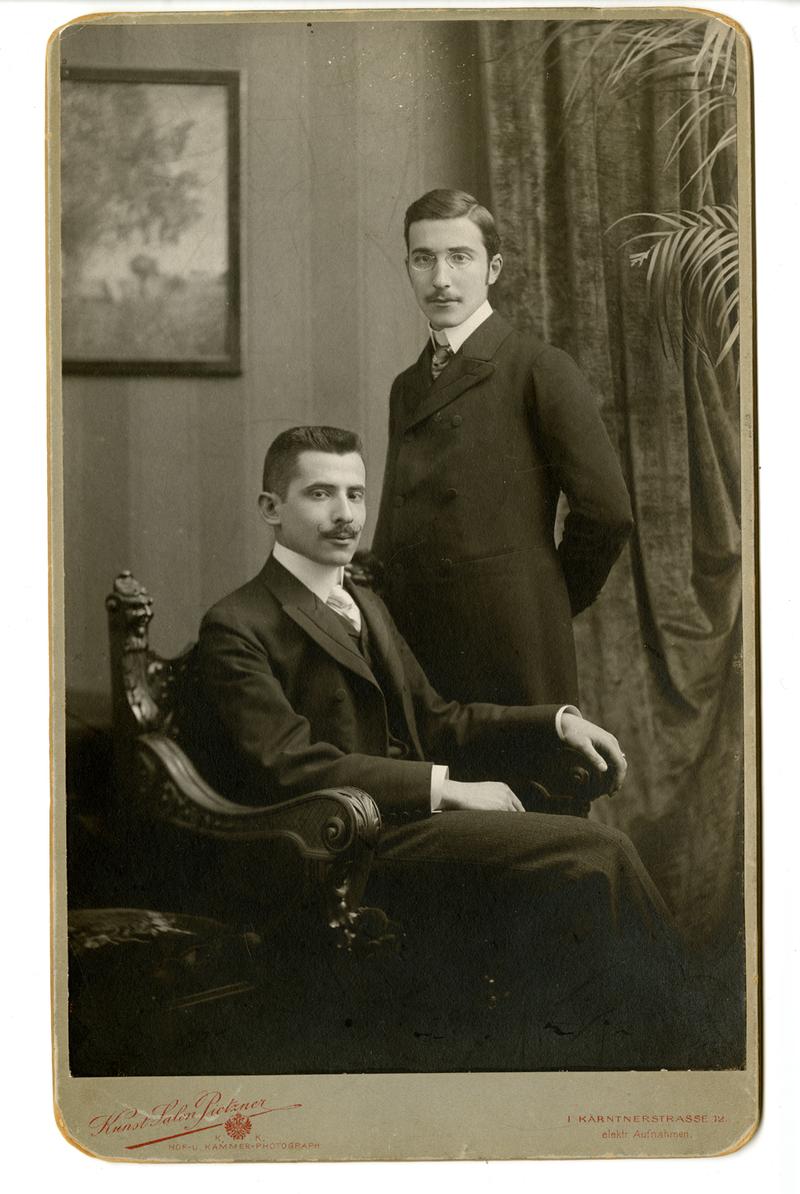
(143, 220)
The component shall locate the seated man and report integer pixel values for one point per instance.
(308, 684)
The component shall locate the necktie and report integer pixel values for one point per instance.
(340, 601)
(441, 354)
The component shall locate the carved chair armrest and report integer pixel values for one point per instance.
(334, 830)
(566, 783)
(322, 824)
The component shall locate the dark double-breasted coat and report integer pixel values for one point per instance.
(475, 464)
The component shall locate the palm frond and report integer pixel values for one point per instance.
(727, 347)
(640, 43)
(704, 169)
(718, 44)
(674, 115)
(700, 115)
(582, 83)
(696, 254)
(695, 56)
(699, 52)
(704, 47)
(693, 253)
(728, 309)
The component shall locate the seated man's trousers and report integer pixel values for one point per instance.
(541, 941)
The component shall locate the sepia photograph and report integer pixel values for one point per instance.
(404, 602)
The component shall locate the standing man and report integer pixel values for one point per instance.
(485, 430)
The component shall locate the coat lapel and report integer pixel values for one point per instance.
(472, 364)
(381, 644)
(314, 618)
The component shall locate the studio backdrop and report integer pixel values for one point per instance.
(588, 125)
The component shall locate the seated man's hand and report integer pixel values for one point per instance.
(488, 796)
(598, 746)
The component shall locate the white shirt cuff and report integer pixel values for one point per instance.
(439, 777)
(565, 709)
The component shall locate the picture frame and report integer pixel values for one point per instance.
(151, 270)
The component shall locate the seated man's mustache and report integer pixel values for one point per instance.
(350, 529)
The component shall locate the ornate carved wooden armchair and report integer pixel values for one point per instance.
(333, 831)
(216, 899)
(210, 899)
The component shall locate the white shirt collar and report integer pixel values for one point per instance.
(319, 578)
(457, 336)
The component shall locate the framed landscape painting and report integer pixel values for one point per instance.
(150, 221)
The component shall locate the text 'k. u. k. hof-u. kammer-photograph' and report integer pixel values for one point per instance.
(403, 585)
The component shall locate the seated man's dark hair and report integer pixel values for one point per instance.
(282, 454)
(443, 204)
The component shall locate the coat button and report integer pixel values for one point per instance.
(399, 499)
(450, 494)
(437, 418)
(339, 695)
(456, 421)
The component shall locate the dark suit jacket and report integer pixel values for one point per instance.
(474, 467)
(290, 705)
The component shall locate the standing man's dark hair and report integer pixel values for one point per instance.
(444, 204)
(281, 458)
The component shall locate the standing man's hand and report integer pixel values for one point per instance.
(366, 569)
(488, 796)
(598, 746)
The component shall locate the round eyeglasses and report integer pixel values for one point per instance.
(422, 263)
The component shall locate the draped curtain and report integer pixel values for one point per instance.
(660, 651)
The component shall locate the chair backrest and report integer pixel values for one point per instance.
(149, 808)
(146, 688)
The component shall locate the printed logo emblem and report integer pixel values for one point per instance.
(238, 1126)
